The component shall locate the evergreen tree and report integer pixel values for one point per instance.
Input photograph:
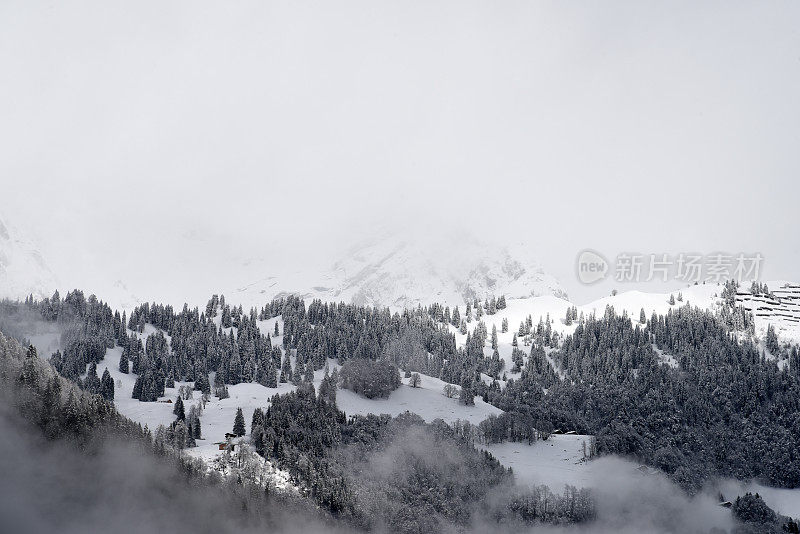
(238, 423)
(297, 374)
(771, 341)
(258, 420)
(202, 383)
(123, 363)
(286, 369)
(272, 376)
(308, 377)
(327, 389)
(107, 386)
(197, 432)
(181, 438)
(227, 320)
(794, 361)
(178, 410)
(466, 396)
(30, 373)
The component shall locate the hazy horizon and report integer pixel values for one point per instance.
(197, 138)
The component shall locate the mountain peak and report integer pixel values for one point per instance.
(401, 272)
(23, 270)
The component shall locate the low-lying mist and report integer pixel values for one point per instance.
(52, 487)
(628, 501)
(27, 326)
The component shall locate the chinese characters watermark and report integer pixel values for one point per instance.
(718, 267)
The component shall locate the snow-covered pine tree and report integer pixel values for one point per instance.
(466, 396)
(107, 386)
(771, 341)
(179, 410)
(257, 420)
(501, 302)
(123, 363)
(238, 423)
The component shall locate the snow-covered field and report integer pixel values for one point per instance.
(705, 296)
(556, 461)
(427, 401)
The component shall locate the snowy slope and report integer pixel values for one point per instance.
(404, 273)
(428, 401)
(704, 296)
(23, 270)
(554, 462)
(781, 309)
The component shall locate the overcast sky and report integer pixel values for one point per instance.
(132, 131)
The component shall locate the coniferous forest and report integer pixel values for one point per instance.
(723, 410)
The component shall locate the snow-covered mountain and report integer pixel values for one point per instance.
(23, 270)
(402, 273)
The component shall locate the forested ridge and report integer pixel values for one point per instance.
(722, 409)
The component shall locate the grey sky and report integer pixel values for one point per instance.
(286, 129)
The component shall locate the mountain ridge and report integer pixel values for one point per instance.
(23, 269)
(406, 273)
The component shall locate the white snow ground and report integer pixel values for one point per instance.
(427, 401)
(555, 462)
